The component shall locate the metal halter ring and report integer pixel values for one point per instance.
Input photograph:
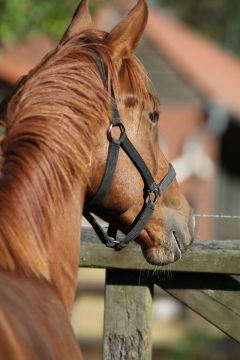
(109, 133)
(153, 196)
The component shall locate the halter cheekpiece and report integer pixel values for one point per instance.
(152, 190)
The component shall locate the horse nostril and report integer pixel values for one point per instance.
(177, 248)
(177, 254)
(179, 242)
(193, 222)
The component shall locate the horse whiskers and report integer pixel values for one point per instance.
(167, 274)
(155, 271)
(159, 272)
(141, 270)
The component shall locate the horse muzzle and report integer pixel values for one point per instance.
(171, 243)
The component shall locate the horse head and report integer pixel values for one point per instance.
(169, 231)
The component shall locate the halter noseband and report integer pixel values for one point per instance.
(152, 190)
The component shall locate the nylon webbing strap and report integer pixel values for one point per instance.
(137, 161)
(112, 158)
(105, 239)
(166, 182)
(113, 148)
(101, 69)
(141, 222)
(115, 113)
(109, 238)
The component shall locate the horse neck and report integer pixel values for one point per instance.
(64, 252)
(56, 258)
(45, 173)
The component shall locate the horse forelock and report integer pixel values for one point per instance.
(52, 120)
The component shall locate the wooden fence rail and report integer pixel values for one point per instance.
(205, 280)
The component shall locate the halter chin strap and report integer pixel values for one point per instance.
(152, 190)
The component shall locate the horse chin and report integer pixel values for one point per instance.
(166, 247)
(164, 255)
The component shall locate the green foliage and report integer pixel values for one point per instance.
(20, 19)
(199, 344)
(219, 19)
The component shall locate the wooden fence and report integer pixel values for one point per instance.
(205, 280)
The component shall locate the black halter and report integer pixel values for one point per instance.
(152, 190)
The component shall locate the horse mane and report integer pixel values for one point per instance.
(51, 121)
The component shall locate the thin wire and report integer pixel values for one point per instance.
(218, 216)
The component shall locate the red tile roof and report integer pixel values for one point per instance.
(17, 61)
(213, 71)
(186, 119)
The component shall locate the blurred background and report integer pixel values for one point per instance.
(191, 51)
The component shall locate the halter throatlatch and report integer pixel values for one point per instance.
(152, 190)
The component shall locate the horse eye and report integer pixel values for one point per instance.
(154, 116)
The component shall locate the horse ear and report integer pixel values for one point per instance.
(125, 37)
(81, 21)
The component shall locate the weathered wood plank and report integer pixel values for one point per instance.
(214, 297)
(205, 256)
(127, 317)
(199, 280)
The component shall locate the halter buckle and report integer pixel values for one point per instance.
(153, 195)
(122, 131)
(113, 244)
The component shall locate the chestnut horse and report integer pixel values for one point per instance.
(54, 157)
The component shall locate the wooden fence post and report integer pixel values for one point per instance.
(128, 316)
(202, 280)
